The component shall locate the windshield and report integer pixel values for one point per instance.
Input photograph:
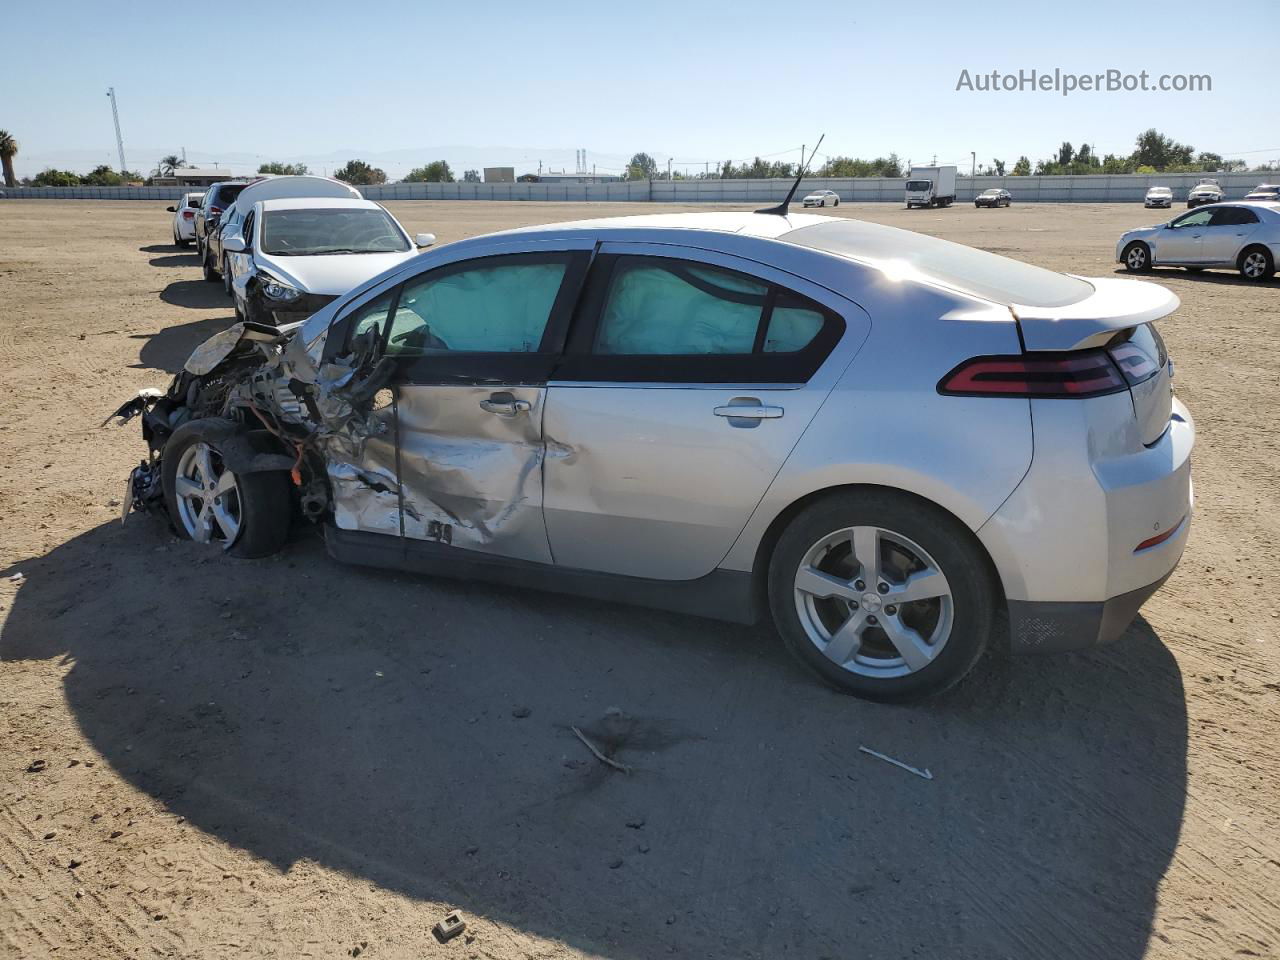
(919, 184)
(309, 233)
(994, 192)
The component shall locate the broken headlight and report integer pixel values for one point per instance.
(275, 289)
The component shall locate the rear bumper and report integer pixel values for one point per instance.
(1057, 626)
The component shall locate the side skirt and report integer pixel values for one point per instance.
(720, 595)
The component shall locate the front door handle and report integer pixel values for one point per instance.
(505, 405)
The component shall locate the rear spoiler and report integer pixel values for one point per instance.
(1115, 305)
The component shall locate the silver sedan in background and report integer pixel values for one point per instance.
(878, 439)
(1233, 236)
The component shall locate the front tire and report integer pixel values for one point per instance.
(248, 515)
(884, 596)
(206, 264)
(1137, 257)
(1256, 263)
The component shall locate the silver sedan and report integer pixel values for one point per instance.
(878, 439)
(1233, 236)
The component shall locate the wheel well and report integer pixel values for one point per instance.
(1251, 247)
(764, 550)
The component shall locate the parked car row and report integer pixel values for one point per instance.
(184, 218)
(283, 247)
(657, 409)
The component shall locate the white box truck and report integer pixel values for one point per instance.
(931, 187)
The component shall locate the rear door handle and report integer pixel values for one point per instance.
(747, 412)
(505, 405)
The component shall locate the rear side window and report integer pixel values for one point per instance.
(668, 320)
(1233, 217)
(673, 307)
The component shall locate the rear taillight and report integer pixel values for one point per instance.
(188, 214)
(1084, 373)
(215, 211)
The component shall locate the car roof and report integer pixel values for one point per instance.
(318, 203)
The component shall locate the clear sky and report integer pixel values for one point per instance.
(500, 82)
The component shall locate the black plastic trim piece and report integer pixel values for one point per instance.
(1057, 626)
(720, 595)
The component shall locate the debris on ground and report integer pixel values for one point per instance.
(450, 926)
(18, 577)
(37, 766)
(923, 774)
(521, 712)
(600, 756)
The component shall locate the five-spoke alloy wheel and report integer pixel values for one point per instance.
(208, 496)
(884, 595)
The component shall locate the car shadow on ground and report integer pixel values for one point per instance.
(196, 294)
(174, 256)
(417, 733)
(1199, 276)
(168, 348)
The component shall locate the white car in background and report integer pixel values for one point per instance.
(184, 218)
(1158, 197)
(1235, 236)
(1207, 190)
(288, 258)
(822, 198)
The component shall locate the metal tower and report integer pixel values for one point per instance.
(115, 115)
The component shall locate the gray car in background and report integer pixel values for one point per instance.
(1234, 236)
(878, 439)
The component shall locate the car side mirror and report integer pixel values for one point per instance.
(425, 239)
(172, 209)
(233, 242)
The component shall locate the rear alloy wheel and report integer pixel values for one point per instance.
(247, 515)
(1256, 263)
(883, 596)
(1137, 257)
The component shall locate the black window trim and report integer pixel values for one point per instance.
(581, 364)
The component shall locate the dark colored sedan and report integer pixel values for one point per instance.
(995, 197)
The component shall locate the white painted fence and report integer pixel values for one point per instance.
(1120, 188)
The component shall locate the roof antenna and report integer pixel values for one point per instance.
(781, 209)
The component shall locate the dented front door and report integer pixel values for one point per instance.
(475, 342)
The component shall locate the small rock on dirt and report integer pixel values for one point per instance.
(521, 712)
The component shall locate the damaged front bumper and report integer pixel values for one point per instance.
(255, 394)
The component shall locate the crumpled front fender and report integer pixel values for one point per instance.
(243, 451)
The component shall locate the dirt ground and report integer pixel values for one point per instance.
(201, 757)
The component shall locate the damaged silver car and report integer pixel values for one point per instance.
(879, 438)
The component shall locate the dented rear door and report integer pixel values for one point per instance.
(474, 343)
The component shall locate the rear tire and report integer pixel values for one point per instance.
(911, 543)
(210, 274)
(1137, 257)
(257, 504)
(1256, 263)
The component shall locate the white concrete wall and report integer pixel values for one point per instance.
(1121, 188)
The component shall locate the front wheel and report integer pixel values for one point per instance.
(1137, 257)
(1256, 263)
(206, 264)
(837, 203)
(248, 514)
(882, 595)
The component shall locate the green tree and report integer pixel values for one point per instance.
(8, 150)
(55, 178)
(471, 176)
(103, 176)
(1156, 150)
(285, 169)
(360, 173)
(1022, 168)
(1209, 162)
(437, 171)
(998, 166)
(169, 164)
(642, 167)
(1065, 154)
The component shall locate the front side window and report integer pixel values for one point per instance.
(330, 230)
(480, 308)
(372, 315)
(1198, 219)
(679, 308)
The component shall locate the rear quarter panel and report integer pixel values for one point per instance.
(885, 423)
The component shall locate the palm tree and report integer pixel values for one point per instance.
(8, 148)
(169, 164)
